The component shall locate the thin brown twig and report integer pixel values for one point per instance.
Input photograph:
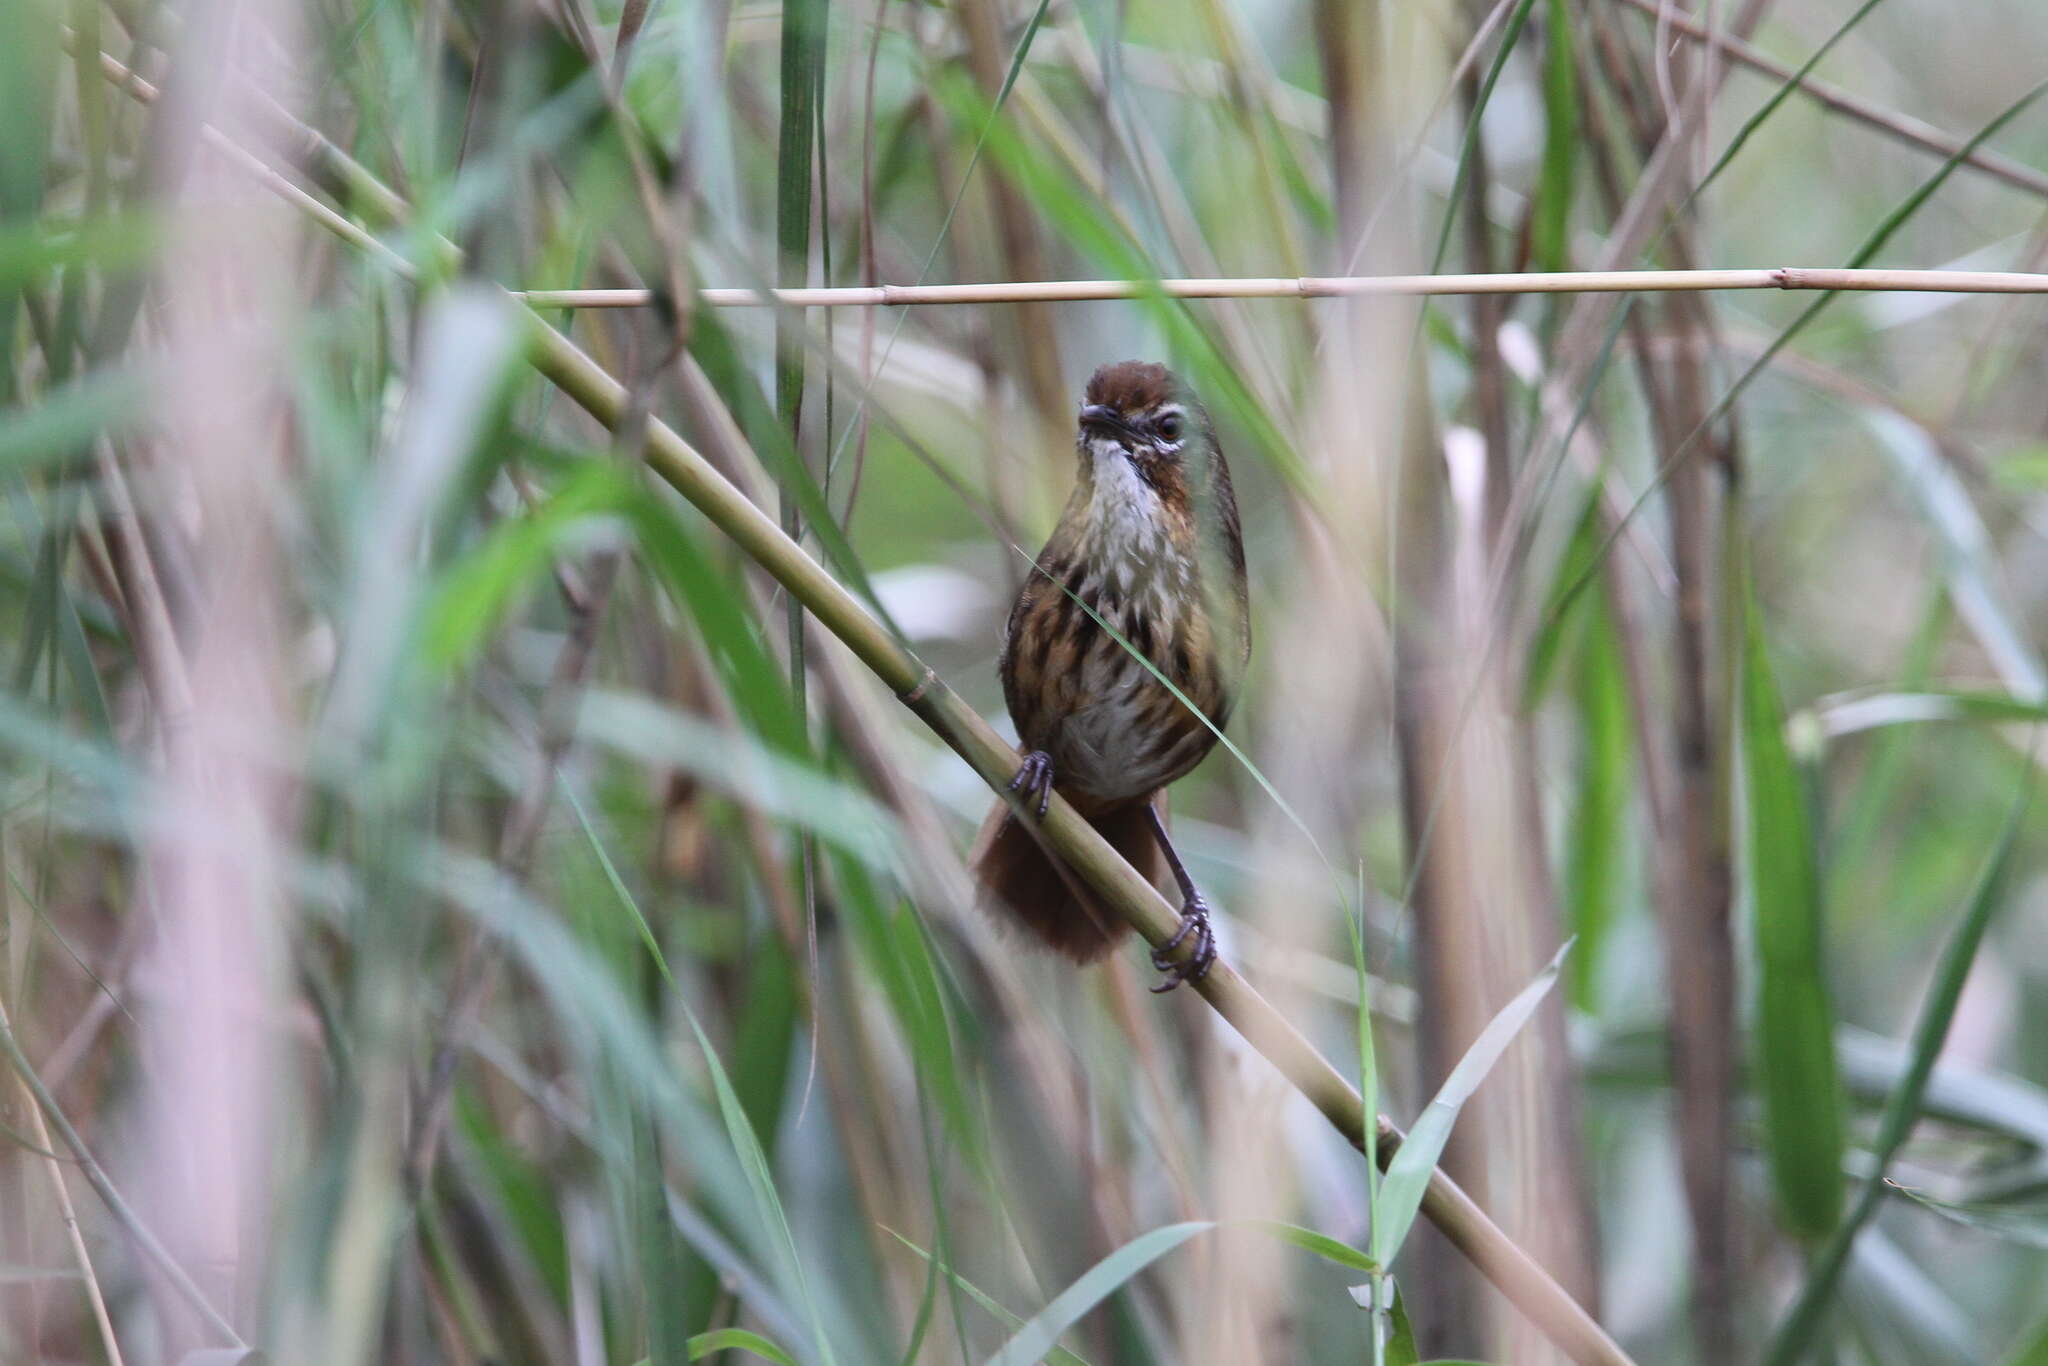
(1901, 126)
(152, 1250)
(39, 1130)
(1328, 287)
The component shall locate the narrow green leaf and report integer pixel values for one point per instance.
(2023, 1225)
(1509, 36)
(1770, 106)
(1415, 1160)
(1852, 713)
(1308, 1240)
(57, 428)
(1930, 1032)
(1891, 1298)
(1969, 558)
(475, 592)
(737, 1340)
(109, 243)
(1794, 1026)
(1564, 613)
(731, 1340)
(1598, 840)
(803, 82)
(767, 1028)
(1550, 228)
(1402, 1349)
(753, 679)
(1098, 1283)
(754, 1160)
(1055, 1356)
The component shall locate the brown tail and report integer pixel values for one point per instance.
(1018, 879)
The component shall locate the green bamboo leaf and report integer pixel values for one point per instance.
(1054, 1356)
(1853, 713)
(1770, 106)
(1407, 1177)
(1969, 558)
(2022, 1225)
(731, 1340)
(108, 242)
(732, 635)
(754, 1160)
(30, 60)
(57, 428)
(1995, 1103)
(1401, 1346)
(733, 761)
(738, 1340)
(1930, 1032)
(1795, 1055)
(1563, 612)
(803, 84)
(475, 592)
(767, 1028)
(1550, 227)
(1892, 1299)
(520, 1189)
(1509, 36)
(1598, 840)
(1308, 1240)
(1041, 1334)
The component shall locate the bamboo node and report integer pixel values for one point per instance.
(916, 694)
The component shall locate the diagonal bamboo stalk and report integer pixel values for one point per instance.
(1123, 889)
(1327, 287)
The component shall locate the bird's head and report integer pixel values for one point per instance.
(1145, 443)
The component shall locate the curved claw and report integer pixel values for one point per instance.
(1034, 776)
(1194, 921)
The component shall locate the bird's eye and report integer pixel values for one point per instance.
(1169, 426)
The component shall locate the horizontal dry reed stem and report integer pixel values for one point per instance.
(1328, 287)
(1123, 889)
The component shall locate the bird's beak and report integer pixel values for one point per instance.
(1105, 420)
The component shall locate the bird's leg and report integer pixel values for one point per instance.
(1194, 919)
(1034, 778)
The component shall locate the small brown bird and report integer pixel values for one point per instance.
(1149, 547)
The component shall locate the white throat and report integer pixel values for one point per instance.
(1126, 533)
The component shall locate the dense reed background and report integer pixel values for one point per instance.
(457, 909)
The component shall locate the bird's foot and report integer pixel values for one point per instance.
(1034, 778)
(1194, 925)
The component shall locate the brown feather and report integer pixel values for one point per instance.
(1017, 879)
